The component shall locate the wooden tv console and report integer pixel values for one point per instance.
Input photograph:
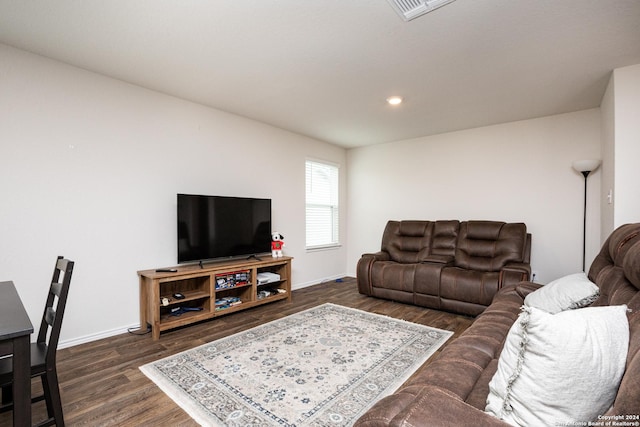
(209, 291)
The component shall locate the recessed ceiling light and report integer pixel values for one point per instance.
(394, 100)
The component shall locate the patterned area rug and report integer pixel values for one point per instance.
(321, 367)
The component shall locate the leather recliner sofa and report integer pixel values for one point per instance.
(452, 390)
(446, 265)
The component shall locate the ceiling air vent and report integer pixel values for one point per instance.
(411, 9)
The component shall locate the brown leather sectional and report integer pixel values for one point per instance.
(453, 389)
(446, 265)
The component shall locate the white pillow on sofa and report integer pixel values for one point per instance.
(560, 368)
(568, 292)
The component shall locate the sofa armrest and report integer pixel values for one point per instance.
(378, 256)
(363, 271)
(514, 272)
(430, 406)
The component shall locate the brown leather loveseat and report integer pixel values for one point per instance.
(446, 265)
(453, 389)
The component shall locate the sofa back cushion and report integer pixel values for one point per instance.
(445, 235)
(616, 271)
(407, 241)
(414, 241)
(489, 245)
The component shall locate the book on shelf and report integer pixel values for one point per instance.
(227, 302)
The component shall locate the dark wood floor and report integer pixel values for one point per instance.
(101, 384)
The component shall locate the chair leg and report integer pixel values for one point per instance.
(52, 398)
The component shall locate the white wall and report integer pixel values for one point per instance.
(607, 170)
(90, 170)
(517, 171)
(627, 144)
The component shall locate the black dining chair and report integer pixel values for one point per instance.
(43, 351)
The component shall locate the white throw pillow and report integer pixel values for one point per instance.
(560, 369)
(568, 292)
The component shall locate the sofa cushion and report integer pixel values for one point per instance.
(490, 245)
(568, 292)
(393, 280)
(407, 241)
(560, 368)
(466, 291)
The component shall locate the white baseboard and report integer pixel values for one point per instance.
(94, 337)
(317, 282)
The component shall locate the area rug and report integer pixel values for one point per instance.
(321, 367)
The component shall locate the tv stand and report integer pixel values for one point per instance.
(209, 291)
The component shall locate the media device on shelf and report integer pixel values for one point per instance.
(219, 227)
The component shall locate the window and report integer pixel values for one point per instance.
(321, 204)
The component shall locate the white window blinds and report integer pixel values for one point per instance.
(321, 204)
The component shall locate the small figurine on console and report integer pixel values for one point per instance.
(276, 244)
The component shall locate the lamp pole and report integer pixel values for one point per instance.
(584, 220)
(585, 167)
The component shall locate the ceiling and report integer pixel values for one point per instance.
(324, 68)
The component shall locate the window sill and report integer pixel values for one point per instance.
(323, 247)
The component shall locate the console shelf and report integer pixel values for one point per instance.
(199, 287)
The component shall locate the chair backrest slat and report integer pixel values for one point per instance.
(56, 289)
(62, 264)
(50, 316)
(51, 324)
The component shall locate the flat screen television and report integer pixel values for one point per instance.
(215, 227)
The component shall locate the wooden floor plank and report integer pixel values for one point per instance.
(101, 384)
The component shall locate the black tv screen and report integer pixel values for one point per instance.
(211, 227)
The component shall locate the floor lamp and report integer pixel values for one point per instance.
(585, 167)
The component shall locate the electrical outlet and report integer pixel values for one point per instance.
(534, 275)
